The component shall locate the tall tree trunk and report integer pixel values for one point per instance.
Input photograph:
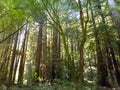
(16, 60)
(12, 60)
(39, 53)
(116, 19)
(117, 71)
(5, 61)
(108, 42)
(54, 53)
(58, 66)
(49, 61)
(83, 40)
(22, 60)
(8, 60)
(101, 65)
(43, 68)
(110, 65)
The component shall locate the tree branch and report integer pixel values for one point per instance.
(12, 33)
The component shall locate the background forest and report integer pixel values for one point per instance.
(59, 44)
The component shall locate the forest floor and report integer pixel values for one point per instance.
(56, 86)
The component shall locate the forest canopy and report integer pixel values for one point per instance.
(47, 44)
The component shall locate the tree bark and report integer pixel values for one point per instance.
(22, 60)
(39, 54)
(101, 65)
(12, 60)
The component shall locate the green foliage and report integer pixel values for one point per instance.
(62, 16)
(3, 87)
(64, 82)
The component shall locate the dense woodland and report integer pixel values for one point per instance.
(59, 44)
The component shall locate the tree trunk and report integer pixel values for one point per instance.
(108, 42)
(16, 61)
(54, 54)
(116, 19)
(43, 68)
(5, 61)
(12, 60)
(39, 54)
(22, 60)
(101, 65)
(83, 40)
